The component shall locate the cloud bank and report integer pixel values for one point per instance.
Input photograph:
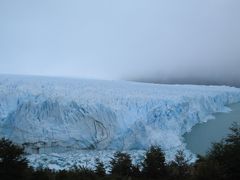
(154, 41)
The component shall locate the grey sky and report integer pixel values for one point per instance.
(149, 40)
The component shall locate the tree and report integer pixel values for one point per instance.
(13, 164)
(100, 169)
(230, 154)
(136, 171)
(234, 137)
(154, 164)
(223, 159)
(121, 164)
(207, 169)
(180, 168)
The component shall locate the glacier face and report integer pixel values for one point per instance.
(59, 114)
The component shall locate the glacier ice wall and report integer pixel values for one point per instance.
(58, 114)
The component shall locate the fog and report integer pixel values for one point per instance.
(170, 41)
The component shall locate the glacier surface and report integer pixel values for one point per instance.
(57, 115)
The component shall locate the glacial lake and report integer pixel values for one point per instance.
(201, 137)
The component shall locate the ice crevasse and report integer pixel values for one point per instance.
(48, 115)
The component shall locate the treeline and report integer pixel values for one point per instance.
(222, 162)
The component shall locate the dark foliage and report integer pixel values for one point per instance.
(154, 164)
(42, 174)
(223, 159)
(121, 164)
(136, 171)
(13, 164)
(100, 169)
(180, 168)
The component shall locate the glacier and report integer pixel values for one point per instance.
(58, 115)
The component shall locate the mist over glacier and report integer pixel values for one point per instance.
(56, 115)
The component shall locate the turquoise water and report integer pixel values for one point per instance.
(201, 137)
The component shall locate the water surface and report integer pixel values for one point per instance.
(201, 137)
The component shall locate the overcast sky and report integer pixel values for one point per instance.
(171, 41)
